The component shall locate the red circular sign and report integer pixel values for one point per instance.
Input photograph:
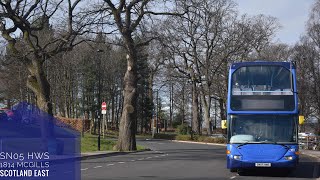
(104, 106)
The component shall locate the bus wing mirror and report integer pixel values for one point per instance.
(301, 120)
(223, 124)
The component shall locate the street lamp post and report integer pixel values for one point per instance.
(99, 97)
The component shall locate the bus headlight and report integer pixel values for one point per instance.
(289, 158)
(236, 157)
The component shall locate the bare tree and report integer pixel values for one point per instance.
(128, 16)
(205, 40)
(32, 19)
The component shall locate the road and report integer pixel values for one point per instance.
(181, 161)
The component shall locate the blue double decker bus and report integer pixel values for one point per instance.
(262, 116)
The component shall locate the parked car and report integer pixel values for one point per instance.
(3, 115)
(6, 114)
(305, 135)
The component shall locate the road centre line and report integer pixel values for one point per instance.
(121, 162)
(233, 177)
(97, 167)
(84, 169)
(110, 164)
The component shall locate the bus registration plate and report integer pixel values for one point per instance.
(263, 164)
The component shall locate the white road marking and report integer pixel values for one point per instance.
(97, 167)
(133, 160)
(156, 156)
(233, 177)
(140, 159)
(148, 157)
(110, 164)
(163, 155)
(121, 162)
(84, 169)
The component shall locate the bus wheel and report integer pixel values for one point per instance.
(242, 172)
(288, 171)
(233, 170)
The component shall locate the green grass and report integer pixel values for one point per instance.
(89, 143)
(140, 148)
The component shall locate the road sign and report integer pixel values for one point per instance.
(103, 111)
(104, 106)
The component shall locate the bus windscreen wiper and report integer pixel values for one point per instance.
(275, 142)
(264, 142)
(242, 144)
(287, 147)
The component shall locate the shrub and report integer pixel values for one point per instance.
(164, 136)
(199, 138)
(217, 140)
(183, 137)
(182, 129)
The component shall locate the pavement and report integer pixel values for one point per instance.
(179, 161)
(312, 153)
(98, 154)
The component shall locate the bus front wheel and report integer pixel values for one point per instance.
(233, 170)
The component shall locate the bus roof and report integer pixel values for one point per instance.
(258, 63)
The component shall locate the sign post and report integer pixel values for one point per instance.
(103, 112)
(99, 127)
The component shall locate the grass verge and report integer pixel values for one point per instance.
(89, 143)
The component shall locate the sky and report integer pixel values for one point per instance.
(291, 14)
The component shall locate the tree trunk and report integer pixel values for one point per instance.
(171, 106)
(150, 96)
(195, 110)
(39, 84)
(127, 140)
(183, 104)
(112, 111)
(206, 107)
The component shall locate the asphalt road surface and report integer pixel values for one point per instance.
(182, 161)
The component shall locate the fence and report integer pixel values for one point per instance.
(76, 124)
